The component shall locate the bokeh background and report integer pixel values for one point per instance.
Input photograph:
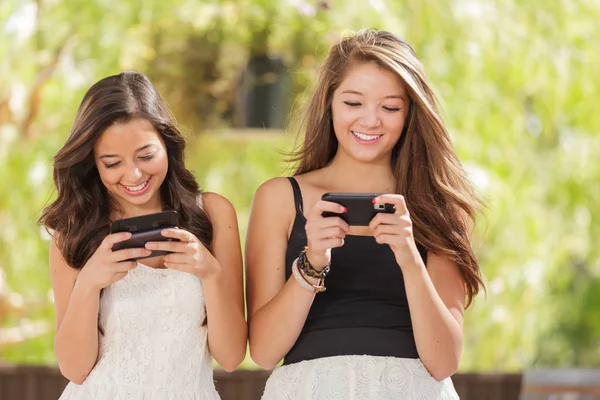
(519, 89)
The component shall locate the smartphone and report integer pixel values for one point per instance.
(145, 228)
(360, 207)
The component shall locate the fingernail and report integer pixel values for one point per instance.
(374, 200)
(344, 209)
(148, 252)
(149, 245)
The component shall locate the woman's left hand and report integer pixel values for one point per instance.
(188, 255)
(396, 230)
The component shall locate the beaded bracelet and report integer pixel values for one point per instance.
(308, 269)
(318, 288)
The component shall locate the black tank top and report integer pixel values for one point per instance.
(364, 310)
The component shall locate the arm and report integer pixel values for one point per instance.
(77, 301)
(436, 294)
(277, 309)
(76, 341)
(436, 298)
(224, 291)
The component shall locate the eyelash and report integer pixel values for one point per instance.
(145, 158)
(390, 109)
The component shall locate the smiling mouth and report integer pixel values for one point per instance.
(137, 188)
(364, 137)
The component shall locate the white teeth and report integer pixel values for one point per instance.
(364, 136)
(137, 188)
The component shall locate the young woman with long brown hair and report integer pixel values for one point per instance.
(390, 323)
(147, 329)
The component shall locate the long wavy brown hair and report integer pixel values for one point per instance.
(81, 214)
(441, 200)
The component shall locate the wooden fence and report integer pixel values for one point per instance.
(46, 383)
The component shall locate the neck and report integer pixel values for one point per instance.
(125, 209)
(350, 175)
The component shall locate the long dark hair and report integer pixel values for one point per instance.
(441, 200)
(80, 215)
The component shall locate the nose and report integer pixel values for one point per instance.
(370, 117)
(134, 174)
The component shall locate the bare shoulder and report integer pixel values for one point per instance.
(217, 205)
(276, 193)
(275, 198)
(221, 214)
(275, 187)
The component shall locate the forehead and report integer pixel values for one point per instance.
(370, 78)
(127, 136)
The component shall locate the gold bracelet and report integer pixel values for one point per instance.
(318, 288)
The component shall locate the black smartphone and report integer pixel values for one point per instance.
(145, 228)
(360, 207)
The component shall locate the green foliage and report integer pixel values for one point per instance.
(518, 92)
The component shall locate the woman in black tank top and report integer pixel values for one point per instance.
(371, 312)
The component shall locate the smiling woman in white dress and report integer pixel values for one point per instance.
(149, 329)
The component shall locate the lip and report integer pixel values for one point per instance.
(366, 142)
(138, 192)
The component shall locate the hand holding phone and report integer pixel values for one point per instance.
(106, 266)
(360, 207)
(396, 230)
(323, 234)
(144, 229)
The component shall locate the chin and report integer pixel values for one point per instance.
(370, 158)
(136, 200)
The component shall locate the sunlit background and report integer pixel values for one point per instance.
(519, 89)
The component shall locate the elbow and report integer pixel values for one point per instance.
(231, 361)
(262, 359)
(262, 349)
(230, 366)
(441, 375)
(441, 372)
(74, 376)
(75, 372)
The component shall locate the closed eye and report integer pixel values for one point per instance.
(112, 165)
(147, 157)
(391, 109)
(352, 104)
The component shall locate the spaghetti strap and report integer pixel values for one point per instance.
(297, 195)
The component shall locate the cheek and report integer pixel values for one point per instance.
(395, 124)
(109, 177)
(157, 166)
(342, 119)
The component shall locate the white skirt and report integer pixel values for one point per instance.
(357, 378)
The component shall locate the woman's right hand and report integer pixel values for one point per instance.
(323, 234)
(105, 266)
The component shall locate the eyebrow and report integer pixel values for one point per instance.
(116, 155)
(393, 96)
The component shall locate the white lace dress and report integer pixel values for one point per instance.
(357, 378)
(154, 345)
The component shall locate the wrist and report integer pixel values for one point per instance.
(307, 268)
(212, 272)
(85, 288)
(316, 262)
(312, 284)
(412, 267)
